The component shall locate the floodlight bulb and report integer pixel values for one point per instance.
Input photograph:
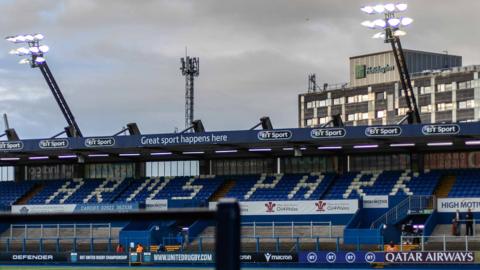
(379, 8)
(24, 61)
(379, 35)
(390, 7)
(38, 36)
(39, 60)
(29, 38)
(394, 22)
(13, 51)
(399, 33)
(34, 49)
(44, 48)
(20, 38)
(406, 21)
(23, 51)
(11, 39)
(368, 24)
(401, 7)
(367, 9)
(380, 23)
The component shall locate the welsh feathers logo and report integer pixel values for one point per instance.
(320, 206)
(270, 207)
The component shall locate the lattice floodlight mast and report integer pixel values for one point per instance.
(190, 69)
(35, 58)
(391, 26)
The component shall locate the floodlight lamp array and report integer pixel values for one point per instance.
(33, 48)
(390, 20)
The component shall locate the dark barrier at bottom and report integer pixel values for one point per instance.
(34, 258)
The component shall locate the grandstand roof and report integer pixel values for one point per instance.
(244, 143)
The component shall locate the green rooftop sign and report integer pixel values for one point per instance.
(361, 71)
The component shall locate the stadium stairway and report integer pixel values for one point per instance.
(222, 191)
(30, 194)
(446, 184)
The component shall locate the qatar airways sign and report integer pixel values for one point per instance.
(440, 257)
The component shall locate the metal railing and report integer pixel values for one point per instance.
(295, 229)
(276, 244)
(58, 229)
(415, 203)
(38, 237)
(440, 243)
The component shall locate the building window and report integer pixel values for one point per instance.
(323, 120)
(426, 109)
(444, 107)
(425, 90)
(402, 111)
(309, 105)
(381, 114)
(358, 98)
(444, 87)
(467, 104)
(309, 122)
(357, 116)
(464, 85)
(322, 103)
(338, 101)
(380, 96)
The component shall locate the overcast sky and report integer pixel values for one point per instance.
(117, 61)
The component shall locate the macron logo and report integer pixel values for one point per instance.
(267, 256)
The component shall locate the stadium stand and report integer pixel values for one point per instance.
(79, 191)
(281, 187)
(10, 192)
(466, 183)
(351, 185)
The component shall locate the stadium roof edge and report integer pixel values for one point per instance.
(244, 143)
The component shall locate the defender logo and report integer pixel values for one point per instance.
(100, 142)
(11, 146)
(320, 206)
(270, 207)
(270, 135)
(360, 71)
(53, 143)
(319, 133)
(447, 129)
(383, 131)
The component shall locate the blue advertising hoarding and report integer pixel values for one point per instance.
(312, 135)
(341, 257)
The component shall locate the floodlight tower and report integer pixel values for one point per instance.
(34, 54)
(391, 25)
(190, 69)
